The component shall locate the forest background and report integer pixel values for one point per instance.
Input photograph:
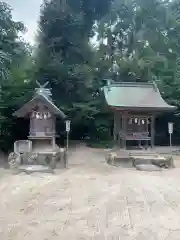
(80, 44)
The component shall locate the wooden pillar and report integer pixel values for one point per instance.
(119, 116)
(53, 129)
(119, 128)
(152, 131)
(147, 130)
(121, 140)
(124, 128)
(31, 128)
(115, 128)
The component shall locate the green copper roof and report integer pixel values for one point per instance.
(135, 95)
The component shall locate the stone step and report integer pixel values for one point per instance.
(35, 168)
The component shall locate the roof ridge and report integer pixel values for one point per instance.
(135, 84)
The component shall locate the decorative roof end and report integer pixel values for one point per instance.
(42, 90)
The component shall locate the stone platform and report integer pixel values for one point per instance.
(35, 168)
(148, 167)
(40, 161)
(135, 158)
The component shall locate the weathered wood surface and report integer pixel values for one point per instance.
(125, 131)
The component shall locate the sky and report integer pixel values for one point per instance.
(26, 11)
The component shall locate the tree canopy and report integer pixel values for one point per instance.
(15, 71)
(80, 43)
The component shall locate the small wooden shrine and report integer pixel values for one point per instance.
(42, 113)
(135, 107)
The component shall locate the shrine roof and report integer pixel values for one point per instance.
(43, 96)
(135, 95)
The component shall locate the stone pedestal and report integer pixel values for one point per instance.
(45, 159)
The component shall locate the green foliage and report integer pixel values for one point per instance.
(139, 41)
(82, 42)
(10, 46)
(15, 68)
(65, 57)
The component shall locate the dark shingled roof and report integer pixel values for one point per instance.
(44, 95)
(135, 96)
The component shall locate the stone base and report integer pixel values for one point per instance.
(134, 160)
(165, 163)
(46, 159)
(53, 159)
(115, 160)
(35, 168)
(147, 167)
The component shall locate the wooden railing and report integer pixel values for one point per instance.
(139, 135)
(135, 135)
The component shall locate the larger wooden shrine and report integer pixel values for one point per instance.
(42, 113)
(135, 107)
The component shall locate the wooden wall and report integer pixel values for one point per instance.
(42, 126)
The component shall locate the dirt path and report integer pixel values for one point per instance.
(90, 200)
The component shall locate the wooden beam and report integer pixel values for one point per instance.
(152, 131)
(114, 129)
(147, 129)
(124, 129)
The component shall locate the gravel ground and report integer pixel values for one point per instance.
(90, 200)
